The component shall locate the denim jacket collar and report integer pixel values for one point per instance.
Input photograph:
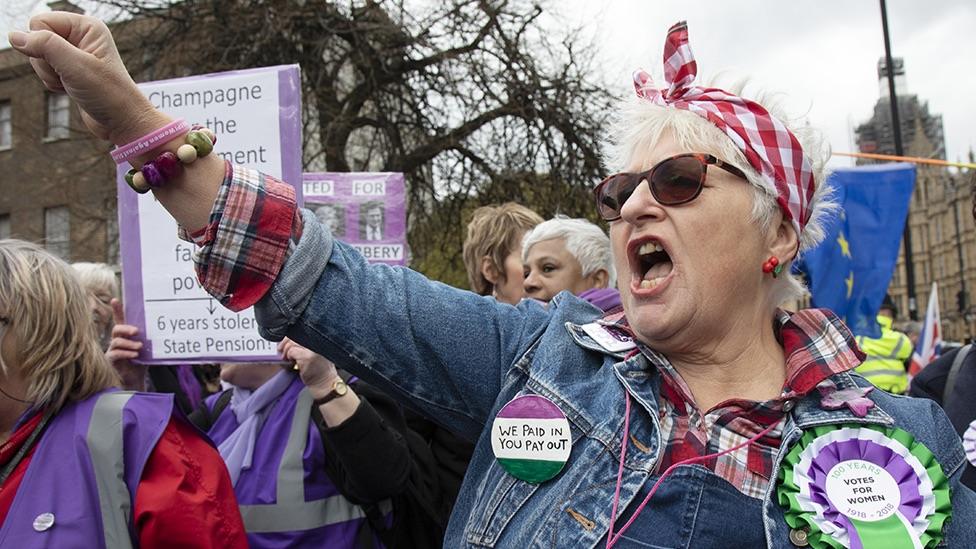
(809, 413)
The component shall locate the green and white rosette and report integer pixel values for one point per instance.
(864, 486)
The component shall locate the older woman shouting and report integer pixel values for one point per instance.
(712, 418)
(82, 464)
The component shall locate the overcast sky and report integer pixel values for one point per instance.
(821, 54)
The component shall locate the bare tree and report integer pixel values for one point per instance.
(475, 101)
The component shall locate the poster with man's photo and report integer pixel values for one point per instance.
(364, 209)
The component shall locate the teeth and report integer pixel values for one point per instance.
(647, 284)
(649, 248)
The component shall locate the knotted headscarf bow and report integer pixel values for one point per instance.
(771, 149)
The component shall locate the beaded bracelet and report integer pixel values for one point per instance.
(168, 165)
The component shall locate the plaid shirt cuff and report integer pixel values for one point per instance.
(252, 226)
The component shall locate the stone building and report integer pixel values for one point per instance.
(940, 215)
(57, 184)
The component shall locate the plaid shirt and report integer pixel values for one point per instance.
(817, 345)
(255, 222)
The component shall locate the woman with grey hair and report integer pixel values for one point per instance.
(568, 254)
(710, 417)
(98, 280)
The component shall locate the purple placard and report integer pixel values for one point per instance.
(178, 322)
(365, 209)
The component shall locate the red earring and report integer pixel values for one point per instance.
(772, 266)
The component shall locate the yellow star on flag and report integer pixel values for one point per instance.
(850, 284)
(845, 246)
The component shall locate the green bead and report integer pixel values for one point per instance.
(133, 184)
(200, 142)
(777, 270)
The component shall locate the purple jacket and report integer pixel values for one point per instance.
(286, 498)
(81, 481)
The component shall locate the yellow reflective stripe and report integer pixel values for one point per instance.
(878, 373)
(105, 443)
(893, 355)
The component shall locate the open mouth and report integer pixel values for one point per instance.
(654, 264)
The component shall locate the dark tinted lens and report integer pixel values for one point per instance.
(614, 192)
(677, 180)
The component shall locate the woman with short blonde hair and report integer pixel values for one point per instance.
(48, 314)
(492, 249)
(82, 450)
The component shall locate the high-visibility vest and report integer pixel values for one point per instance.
(886, 356)
(80, 484)
(286, 498)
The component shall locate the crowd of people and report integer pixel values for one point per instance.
(661, 395)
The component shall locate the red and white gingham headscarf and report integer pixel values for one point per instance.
(771, 149)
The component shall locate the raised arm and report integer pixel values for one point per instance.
(77, 55)
(440, 349)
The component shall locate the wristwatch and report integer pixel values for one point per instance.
(339, 389)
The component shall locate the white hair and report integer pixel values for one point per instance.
(584, 240)
(97, 276)
(638, 125)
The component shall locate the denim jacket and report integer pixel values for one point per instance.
(459, 357)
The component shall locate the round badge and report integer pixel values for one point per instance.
(43, 522)
(530, 438)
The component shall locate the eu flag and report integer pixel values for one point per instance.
(849, 271)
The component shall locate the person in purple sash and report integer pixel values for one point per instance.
(83, 464)
(286, 434)
(573, 255)
(317, 459)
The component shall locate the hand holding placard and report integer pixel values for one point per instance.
(123, 348)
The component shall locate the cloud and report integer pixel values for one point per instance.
(821, 55)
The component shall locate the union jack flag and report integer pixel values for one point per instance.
(929, 343)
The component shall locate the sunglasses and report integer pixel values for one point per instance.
(673, 181)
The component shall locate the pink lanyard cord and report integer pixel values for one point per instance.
(620, 471)
(613, 539)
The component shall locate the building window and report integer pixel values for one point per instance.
(58, 111)
(112, 240)
(57, 231)
(6, 126)
(4, 226)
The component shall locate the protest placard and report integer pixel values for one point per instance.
(364, 209)
(178, 321)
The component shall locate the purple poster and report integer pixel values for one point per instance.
(178, 321)
(365, 209)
